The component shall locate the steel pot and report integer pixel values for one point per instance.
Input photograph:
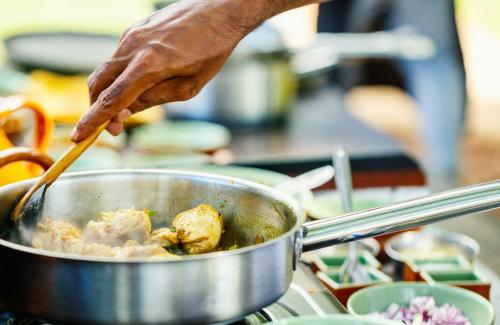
(256, 86)
(258, 83)
(433, 240)
(214, 287)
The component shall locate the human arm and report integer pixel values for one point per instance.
(170, 56)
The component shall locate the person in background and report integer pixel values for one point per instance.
(436, 84)
(172, 54)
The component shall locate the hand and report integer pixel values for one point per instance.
(170, 56)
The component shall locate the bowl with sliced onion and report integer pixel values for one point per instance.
(415, 303)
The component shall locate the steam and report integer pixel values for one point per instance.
(26, 234)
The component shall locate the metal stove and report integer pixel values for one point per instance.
(306, 296)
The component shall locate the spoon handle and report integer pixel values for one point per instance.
(343, 178)
(58, 168)
(309, 180)
(70, 156)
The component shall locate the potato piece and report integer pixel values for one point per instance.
(164, 237)
(116, 227)
(199, 229)
(57, 236)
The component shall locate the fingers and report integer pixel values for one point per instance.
(115, 127)
(167, 91)
(107, 72)
(104, 75)
(179, 88)
(132, 82)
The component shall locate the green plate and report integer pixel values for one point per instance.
(92, 159)
(332, 320)
(137, 160)
(378, 298)
(328, 204)
(180, 136)
(261, 176)
(12, 81)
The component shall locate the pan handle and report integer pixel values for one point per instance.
(11, 155)
(43, 123)
(401, 216)
(333, 49)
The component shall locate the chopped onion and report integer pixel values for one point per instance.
(424, 311)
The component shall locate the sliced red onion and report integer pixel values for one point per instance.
(424, 311)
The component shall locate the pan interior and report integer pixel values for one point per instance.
(250, 213)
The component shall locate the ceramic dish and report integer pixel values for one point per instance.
(413, 266)
(342, 291)
(327, 203)
(92, 159)
(470, 279)
(62, 139)
(180, 137)
(370, 245)
(138, 160)
(334, 262)
(431, 244)
(378, 298)
(11, 81)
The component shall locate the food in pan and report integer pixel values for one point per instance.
(133, 248)
(127, 233)
(57, 236)
(165, 237)
(199, 229)
(116, 227)
(424, 311)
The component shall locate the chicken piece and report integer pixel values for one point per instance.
(96, 249)
(199, 229)
(133, 249)
(164, 237)
(131, 243)
(116, 227)
(57, 236)
(62, 236)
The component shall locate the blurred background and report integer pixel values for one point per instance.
(410, 88)
(478, 28)
(478, 24)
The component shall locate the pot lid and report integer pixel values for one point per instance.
(61, 52)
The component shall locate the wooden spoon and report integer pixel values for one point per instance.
(28, 209)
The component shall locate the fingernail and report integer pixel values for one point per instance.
(125, 114)
(74, 133)
(115, 128)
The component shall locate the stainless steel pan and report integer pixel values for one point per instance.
(207, 288)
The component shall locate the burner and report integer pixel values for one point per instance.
(7, 318)
(259, 317)
(256, 318)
